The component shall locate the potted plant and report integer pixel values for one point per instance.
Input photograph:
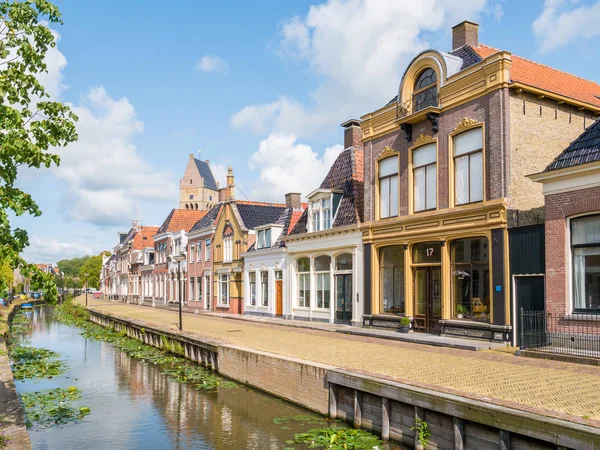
(404, 325)
(460, 310)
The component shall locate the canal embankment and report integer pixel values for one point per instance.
(418, 417)
(12, 420)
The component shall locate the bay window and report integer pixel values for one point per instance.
(585, 248)
(468, 166)
(424, 177)
(303, 274)
(388, 187)
(323, 277)
(264, 288)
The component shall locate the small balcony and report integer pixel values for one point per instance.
(424, 105)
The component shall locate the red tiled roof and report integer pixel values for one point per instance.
(181, 219)
(294, 219)
(143, 238)
(547, 78)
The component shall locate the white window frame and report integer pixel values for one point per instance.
(303, 279)
(321, 213)
(228, 249)
(264, 288)
(252, 288)
(224, 284)
(199, 251)
(207, 250)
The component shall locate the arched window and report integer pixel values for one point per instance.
(425, 90)
(343, 262)
(187, 206)
(303, 273)
(323, 276)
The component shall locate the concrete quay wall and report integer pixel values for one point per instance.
(416, 417)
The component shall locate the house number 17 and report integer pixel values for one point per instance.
(430, 251)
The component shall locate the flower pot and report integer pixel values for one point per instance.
(404, 328)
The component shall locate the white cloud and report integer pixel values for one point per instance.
(220, 173)
(52, 250)
(358, 50)
(104, 174)
(210, 64)
(287, 166)
(565, 21)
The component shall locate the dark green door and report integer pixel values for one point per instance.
(343, 301)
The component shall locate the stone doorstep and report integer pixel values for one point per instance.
(414, 338)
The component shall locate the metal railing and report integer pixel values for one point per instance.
(417, 103)
(575, 335)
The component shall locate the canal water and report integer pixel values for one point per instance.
(134, 406)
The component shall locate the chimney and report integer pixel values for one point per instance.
(222, 194)
(208, 162)
(352, 134)
(134, 224)
(465, 33)
(230, 185)
(292, 200)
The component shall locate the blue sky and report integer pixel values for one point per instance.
(261, 86)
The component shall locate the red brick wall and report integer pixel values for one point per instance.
(559, 207)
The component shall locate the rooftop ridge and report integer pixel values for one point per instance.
(248, 202)
(538, 64)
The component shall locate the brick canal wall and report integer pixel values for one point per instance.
(392, 410)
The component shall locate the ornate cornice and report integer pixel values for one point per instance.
(387, 151)
(423, 138)
(464, 123)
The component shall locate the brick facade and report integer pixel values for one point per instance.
(559, 208)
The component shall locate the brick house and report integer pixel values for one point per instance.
(235, 232)
(445, 178)
(264, 263)
(171, 240)
(572, 204)
(324, 250)
(200, 258)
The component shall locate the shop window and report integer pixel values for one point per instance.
(427, 252)
(391, 269)
(424, 178)
(252, 289)
(470, 276)
(425, 90)
(303, 273)
(585, 247)
(323, 277)
(468, 166)
(388, 187)
(264, 288)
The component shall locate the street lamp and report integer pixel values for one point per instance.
(179, 259)
(86, 285)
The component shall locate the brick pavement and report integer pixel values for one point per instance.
(557, 389)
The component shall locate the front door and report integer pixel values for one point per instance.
(278, 298)
(343, 301)
(428, 299)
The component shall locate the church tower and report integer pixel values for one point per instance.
(198, 189)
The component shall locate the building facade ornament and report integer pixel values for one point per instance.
(423, 138)
(387, 151)
(464, 123)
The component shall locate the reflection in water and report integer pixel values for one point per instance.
(135, 406)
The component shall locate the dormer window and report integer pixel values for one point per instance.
(321, 214)
(264, 239)
(425, 90)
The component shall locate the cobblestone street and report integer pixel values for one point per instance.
(563, 390)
